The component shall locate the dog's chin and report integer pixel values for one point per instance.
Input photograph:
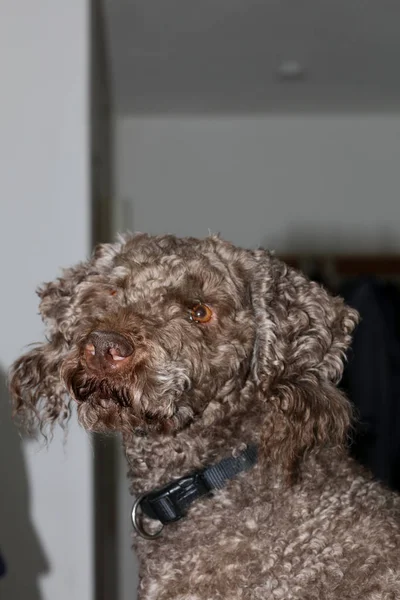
(102, 416)
(105, 416)
(135, 407)
(101, 410)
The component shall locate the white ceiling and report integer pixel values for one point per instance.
(222, 56)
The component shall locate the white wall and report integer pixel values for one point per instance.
(329, 182)
(46, 496)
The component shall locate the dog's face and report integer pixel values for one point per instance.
(152, 330)
(149, 332)
(161, 330)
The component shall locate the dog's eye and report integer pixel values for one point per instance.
(201, 313)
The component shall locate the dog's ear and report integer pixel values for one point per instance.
(301, 340)
(38, 394)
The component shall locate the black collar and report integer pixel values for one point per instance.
(171, 502)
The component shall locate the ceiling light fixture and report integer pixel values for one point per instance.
(290, 70)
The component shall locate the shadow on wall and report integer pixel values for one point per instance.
(19, 543)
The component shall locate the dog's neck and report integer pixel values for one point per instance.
(223, 430)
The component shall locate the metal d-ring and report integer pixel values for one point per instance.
(137, 524)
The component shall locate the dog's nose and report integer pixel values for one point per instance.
(107, 349)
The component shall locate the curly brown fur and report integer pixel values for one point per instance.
(306, 522)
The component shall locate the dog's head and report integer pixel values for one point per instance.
(152, 329)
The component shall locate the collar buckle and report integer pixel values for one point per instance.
(169, 503)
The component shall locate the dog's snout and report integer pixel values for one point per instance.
(107, 349)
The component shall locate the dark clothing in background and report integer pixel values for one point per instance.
(2, 566)
(372, 377)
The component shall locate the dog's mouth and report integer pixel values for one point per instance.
(143, 403)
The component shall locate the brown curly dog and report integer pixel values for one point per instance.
(195, 351)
